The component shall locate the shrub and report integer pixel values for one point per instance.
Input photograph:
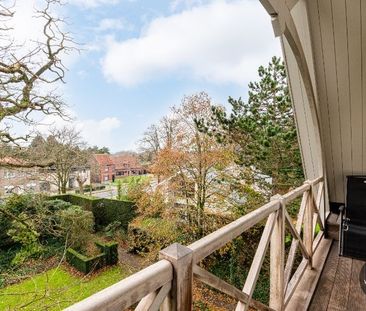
(112, 228)
(110, 250)
(151, 234)
(77, 225)
(36, 225)
(108, 256)
(24, 233)
(56, 205)
(105, 211)
(82, 263)
(94, 188)
(81, 200)
(40, 215)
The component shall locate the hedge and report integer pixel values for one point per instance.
(105, 211)
(94, 188)
(107, 257)
(149, 234)
(110, 250)
(83, 263)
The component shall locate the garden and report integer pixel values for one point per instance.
(55, 251)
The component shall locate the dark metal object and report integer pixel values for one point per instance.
(352, 240)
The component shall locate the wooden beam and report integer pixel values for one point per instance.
(295, 243)
(212, 280)
(293, 194)
(291, 3)
(181, 259)
(125, 293)
(285, 27)
(295, 280)
(257, 262)
(212, 242)
(146, 302)
(296, 235)
(308, 227)
(317, 202)
(277, 260)
(153, 301)
(304, 291)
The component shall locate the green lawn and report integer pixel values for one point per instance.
(129, 179)
(56, 289)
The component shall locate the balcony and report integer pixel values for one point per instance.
(167, 284)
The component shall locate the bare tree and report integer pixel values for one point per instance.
(195, 163)
(26, 73)
(150, 144)
(67, 152)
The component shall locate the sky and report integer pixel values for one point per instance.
(139, 58)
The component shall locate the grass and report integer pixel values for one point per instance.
(131, 179)
(56, 289)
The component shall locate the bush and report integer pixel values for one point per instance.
(77, 225)
(110, 250)
(39, 213)
(112, 228)
(107, 257)
(105, 211)
(24, 233)
(81, 200)
(84, 264)
(15, 205)
(147, 235)
(94, 188)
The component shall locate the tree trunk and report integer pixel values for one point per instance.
(63, 187)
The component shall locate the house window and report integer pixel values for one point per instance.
(105, 178)
(106, 169)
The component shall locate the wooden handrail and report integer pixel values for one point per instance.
(125, 293)
(217, 239)
(167, 284)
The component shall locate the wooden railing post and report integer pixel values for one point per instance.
(181, 293)
(308, 225)
(277, 259)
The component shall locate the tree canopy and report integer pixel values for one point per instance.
(263, 129)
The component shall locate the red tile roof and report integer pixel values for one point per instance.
(119, 161)
(103, 159)
(125, 161)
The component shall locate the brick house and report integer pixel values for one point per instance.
(104, 170)
(110, 167)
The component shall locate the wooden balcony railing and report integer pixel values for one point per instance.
(167, 284)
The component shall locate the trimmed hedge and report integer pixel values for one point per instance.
(110, 250)
(105, 211)
(84, 264)
(108, 257)
(94, 188)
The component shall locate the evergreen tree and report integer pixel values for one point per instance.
(263, 129)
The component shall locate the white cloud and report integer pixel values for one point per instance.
(113, 24)
(175, 4)
(100, 132)
(220, 42)
(92, 3)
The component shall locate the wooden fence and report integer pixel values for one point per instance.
(167, 284)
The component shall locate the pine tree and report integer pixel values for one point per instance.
(263, 129)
